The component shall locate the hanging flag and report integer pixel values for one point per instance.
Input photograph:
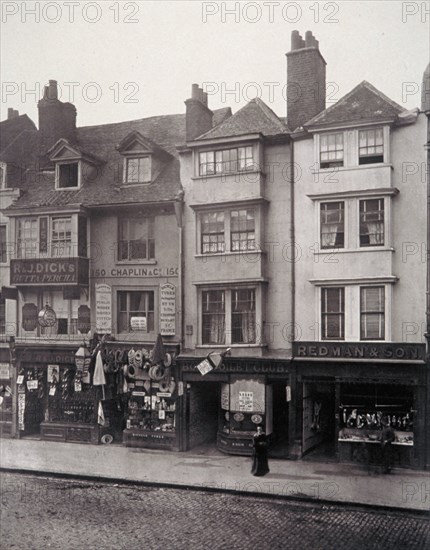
(158, 353)
(99, 373)
(101, 415)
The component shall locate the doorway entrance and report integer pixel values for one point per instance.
(203, 400)
(279, 438)
(319, 414)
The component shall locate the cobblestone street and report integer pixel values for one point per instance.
(42, 512)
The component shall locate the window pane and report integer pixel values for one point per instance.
(372, 222)
(135, 304)
(68, 175)
(212, 232)
(372, 308)
(213, 317)
(243, 316)
(332, 224)
(134, 239)
(371, 146)
(331, 150)
(242, 226)
(332, 313)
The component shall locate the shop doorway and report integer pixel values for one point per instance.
(32, 401)
(319, 420)
(203, 400)
(279, 437)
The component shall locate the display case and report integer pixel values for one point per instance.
(151, 416)
(71, 408)
(6, 412)
(245, 404)
(361, 418)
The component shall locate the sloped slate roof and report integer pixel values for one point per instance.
(11, 128)
(254, 118)
(105, 188)
(363, 103)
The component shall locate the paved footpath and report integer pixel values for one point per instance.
(330, 482)
(39, 513)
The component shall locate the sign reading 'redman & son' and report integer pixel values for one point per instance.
(56, 271)
(359, 350)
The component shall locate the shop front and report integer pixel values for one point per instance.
(348, 391)
(6, 394)
(223, 408)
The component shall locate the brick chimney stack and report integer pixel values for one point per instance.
(56, 119)
(12, 113)
(306, 80)
(198, 115)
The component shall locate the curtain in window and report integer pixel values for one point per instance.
(243, 316)
(373, 313)
(213, 317)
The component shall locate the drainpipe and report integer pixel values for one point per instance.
(179, 210)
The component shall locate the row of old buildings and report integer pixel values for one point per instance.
(298, 244)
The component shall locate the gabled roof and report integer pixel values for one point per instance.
(12, 127)
(62, 149)
(362, 104)
(254, 118)
(100, 142)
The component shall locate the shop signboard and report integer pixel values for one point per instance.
(43, 235)
(167, 309)
(29, 317)
(103, 308)
(246, 401)
(21, 411)
(225, 397)
(47, 271)
(138, 323)
(359, 350)
(4, 371)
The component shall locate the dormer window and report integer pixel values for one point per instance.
(68, 175)
(138, 170)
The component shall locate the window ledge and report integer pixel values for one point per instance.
(347, 168)
(135, 262)
(229, 253)
(333, 251)
(225, 176)
(125, 185)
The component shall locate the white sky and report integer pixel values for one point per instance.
(156, 59)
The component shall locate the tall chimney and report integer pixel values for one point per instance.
(198, 115)
(306, 80)
(12, 113)
(56, 119)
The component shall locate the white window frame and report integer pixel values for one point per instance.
(55, 246)
(150, 221)
(227, 229)
(27, 255)
(130, 157)
(228, 296)
(138, 334)
(218, 162)
(383, 338)
(57, 175)
(385, 224)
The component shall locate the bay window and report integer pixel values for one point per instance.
(333, 313)
(371, 146)
(372, 222)
(27, 238)
(372, 313)
(226, 161)
(61, 237)
(332, 221)
(229, 316)
(228, 231)
(331, 150)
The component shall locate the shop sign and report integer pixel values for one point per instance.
(29, 317)
(242, 368)
(103, 308)
(47, 317)
(4, 371)
(32, 384)
(288, 393)
(36, 356)
(49, 271)
(138, 323)
(180, 388)
(53, 373)
(204, 367)
(21, 411)
(360, 350)
(84, 319)
(167, 309)
(20, 379)
(164, 394)
(138, 272)
(246, 401)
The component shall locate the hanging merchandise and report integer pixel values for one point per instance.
(99, 378)
(158, 352)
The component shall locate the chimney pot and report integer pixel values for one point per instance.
(295, 40)
(12, 113)
(309, 39)
(195, 91)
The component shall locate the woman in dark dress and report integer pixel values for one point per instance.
(260, 467)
